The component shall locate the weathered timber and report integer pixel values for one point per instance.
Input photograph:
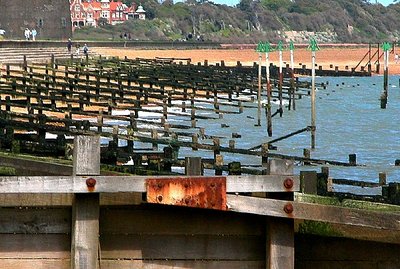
(333, 214)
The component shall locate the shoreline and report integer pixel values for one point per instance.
(325, 57)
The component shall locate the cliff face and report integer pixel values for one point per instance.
(51, 18)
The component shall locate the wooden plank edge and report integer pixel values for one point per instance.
(316, 212)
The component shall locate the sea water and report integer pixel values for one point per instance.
(349, 120)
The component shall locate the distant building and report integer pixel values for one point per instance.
(94, 13)
(51, 19)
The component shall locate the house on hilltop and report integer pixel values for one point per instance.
(94, 13)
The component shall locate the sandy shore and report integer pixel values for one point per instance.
(325, 57)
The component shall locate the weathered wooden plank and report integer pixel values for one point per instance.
(176, 264)
(85, 206)
(165, 220)
(182, 247)
(34, 263)
(325, 248)
(280, 243)
(342, 265)
(35, 246)
(111, 184)
(35, 220)
(36, 167)
(332, 214)
(86, 159)
(48, 199)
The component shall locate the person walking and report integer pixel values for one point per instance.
(85, 50)
(34, 34)
(69, 45)
(78, 49)
(27, 33)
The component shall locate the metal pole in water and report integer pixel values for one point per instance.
(314, 47)
(384, 96)
(259, 90)
(259, 49)
(292, 89)
(280, 48)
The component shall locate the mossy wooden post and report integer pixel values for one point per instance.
(314, 47)
(308, 182)
(353, 159)
(384, 96)
(168, 155)
(382, 178)
(193, 166)
(219, 163)
(85, 206)
(264, 154)
(217, 149)
(235, 168)
(280, 231)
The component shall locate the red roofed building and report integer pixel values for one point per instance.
(92, 13)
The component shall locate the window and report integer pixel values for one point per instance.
(77, 8)
(40, 22)
(64, 22)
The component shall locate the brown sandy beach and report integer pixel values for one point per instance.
(335, 56)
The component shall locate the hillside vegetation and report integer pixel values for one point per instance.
(350, 21)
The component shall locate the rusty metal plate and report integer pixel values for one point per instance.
(201, 192)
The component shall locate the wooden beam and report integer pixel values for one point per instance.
(280, 244)
(280, 231)
(114, 184)
(85, 207)
(306, 211)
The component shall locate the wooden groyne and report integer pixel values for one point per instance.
(89, 220)
(107, 96)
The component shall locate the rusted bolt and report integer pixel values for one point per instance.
(186, 185)
(288, 183)
(159, 185)
(288, 208)
(187, 200)
(159, 198)
(212, 185)
(90, 182)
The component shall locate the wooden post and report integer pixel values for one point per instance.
(353, 159)
(308, 182)
(85, 206)
(280, 232)
(193, 166)
(382, 178)
(219, 163)
(378, 62)
(369, 59)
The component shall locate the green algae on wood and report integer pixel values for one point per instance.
(317, 228)
(366, 205)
